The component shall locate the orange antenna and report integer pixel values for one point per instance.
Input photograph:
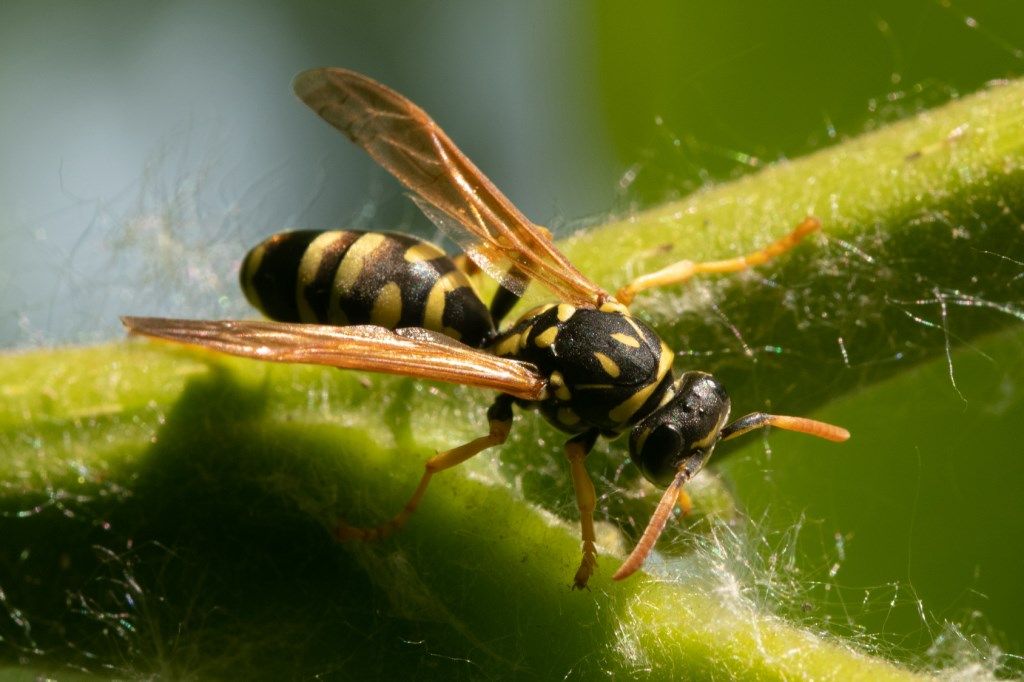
(759, 420)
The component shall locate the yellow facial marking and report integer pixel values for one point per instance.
(626, 340)
(308, 267)
(642, 439)
(421, 252)
(608, 365)
(567, 416)
(712, 435)
(565, 311)
(387, 308)
(546, 337)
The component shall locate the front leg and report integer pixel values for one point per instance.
(576, 449)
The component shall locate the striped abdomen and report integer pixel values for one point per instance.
(348, 277)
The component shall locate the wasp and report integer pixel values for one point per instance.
(391, 303)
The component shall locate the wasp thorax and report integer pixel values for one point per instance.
(683, 431)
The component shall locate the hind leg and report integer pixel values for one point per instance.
(685, 269)
(577, 450)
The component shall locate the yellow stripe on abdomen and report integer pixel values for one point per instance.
(356, 259)
(387, 307)
(309, 266)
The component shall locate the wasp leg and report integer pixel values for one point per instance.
(577, 449)
(684, 502)
(500, 418)
(685, 269)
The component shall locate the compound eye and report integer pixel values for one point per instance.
(661, 455)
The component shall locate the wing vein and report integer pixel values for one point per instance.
(408, 352)
(449, 188)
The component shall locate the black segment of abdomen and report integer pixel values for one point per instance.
(275, 280)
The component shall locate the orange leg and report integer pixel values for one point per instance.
(500, 417)
(586, 499)
(684, 502)
(685, 269)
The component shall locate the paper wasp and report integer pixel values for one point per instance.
(391, 303)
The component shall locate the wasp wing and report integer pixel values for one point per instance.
(454, 194)
(408, 352)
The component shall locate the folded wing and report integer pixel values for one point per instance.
(408, 352)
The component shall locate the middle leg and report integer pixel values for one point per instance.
(577, 449)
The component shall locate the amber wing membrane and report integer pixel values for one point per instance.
(408, 352)
(453, 193)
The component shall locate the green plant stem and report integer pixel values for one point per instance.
(167, 511)
(210, 488)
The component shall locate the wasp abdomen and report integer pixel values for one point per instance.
(349, 277)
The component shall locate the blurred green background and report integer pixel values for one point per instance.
(147, 145)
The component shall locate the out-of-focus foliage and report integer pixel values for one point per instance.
(695, 92)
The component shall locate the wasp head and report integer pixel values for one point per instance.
(672, 443)
(681, 434)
